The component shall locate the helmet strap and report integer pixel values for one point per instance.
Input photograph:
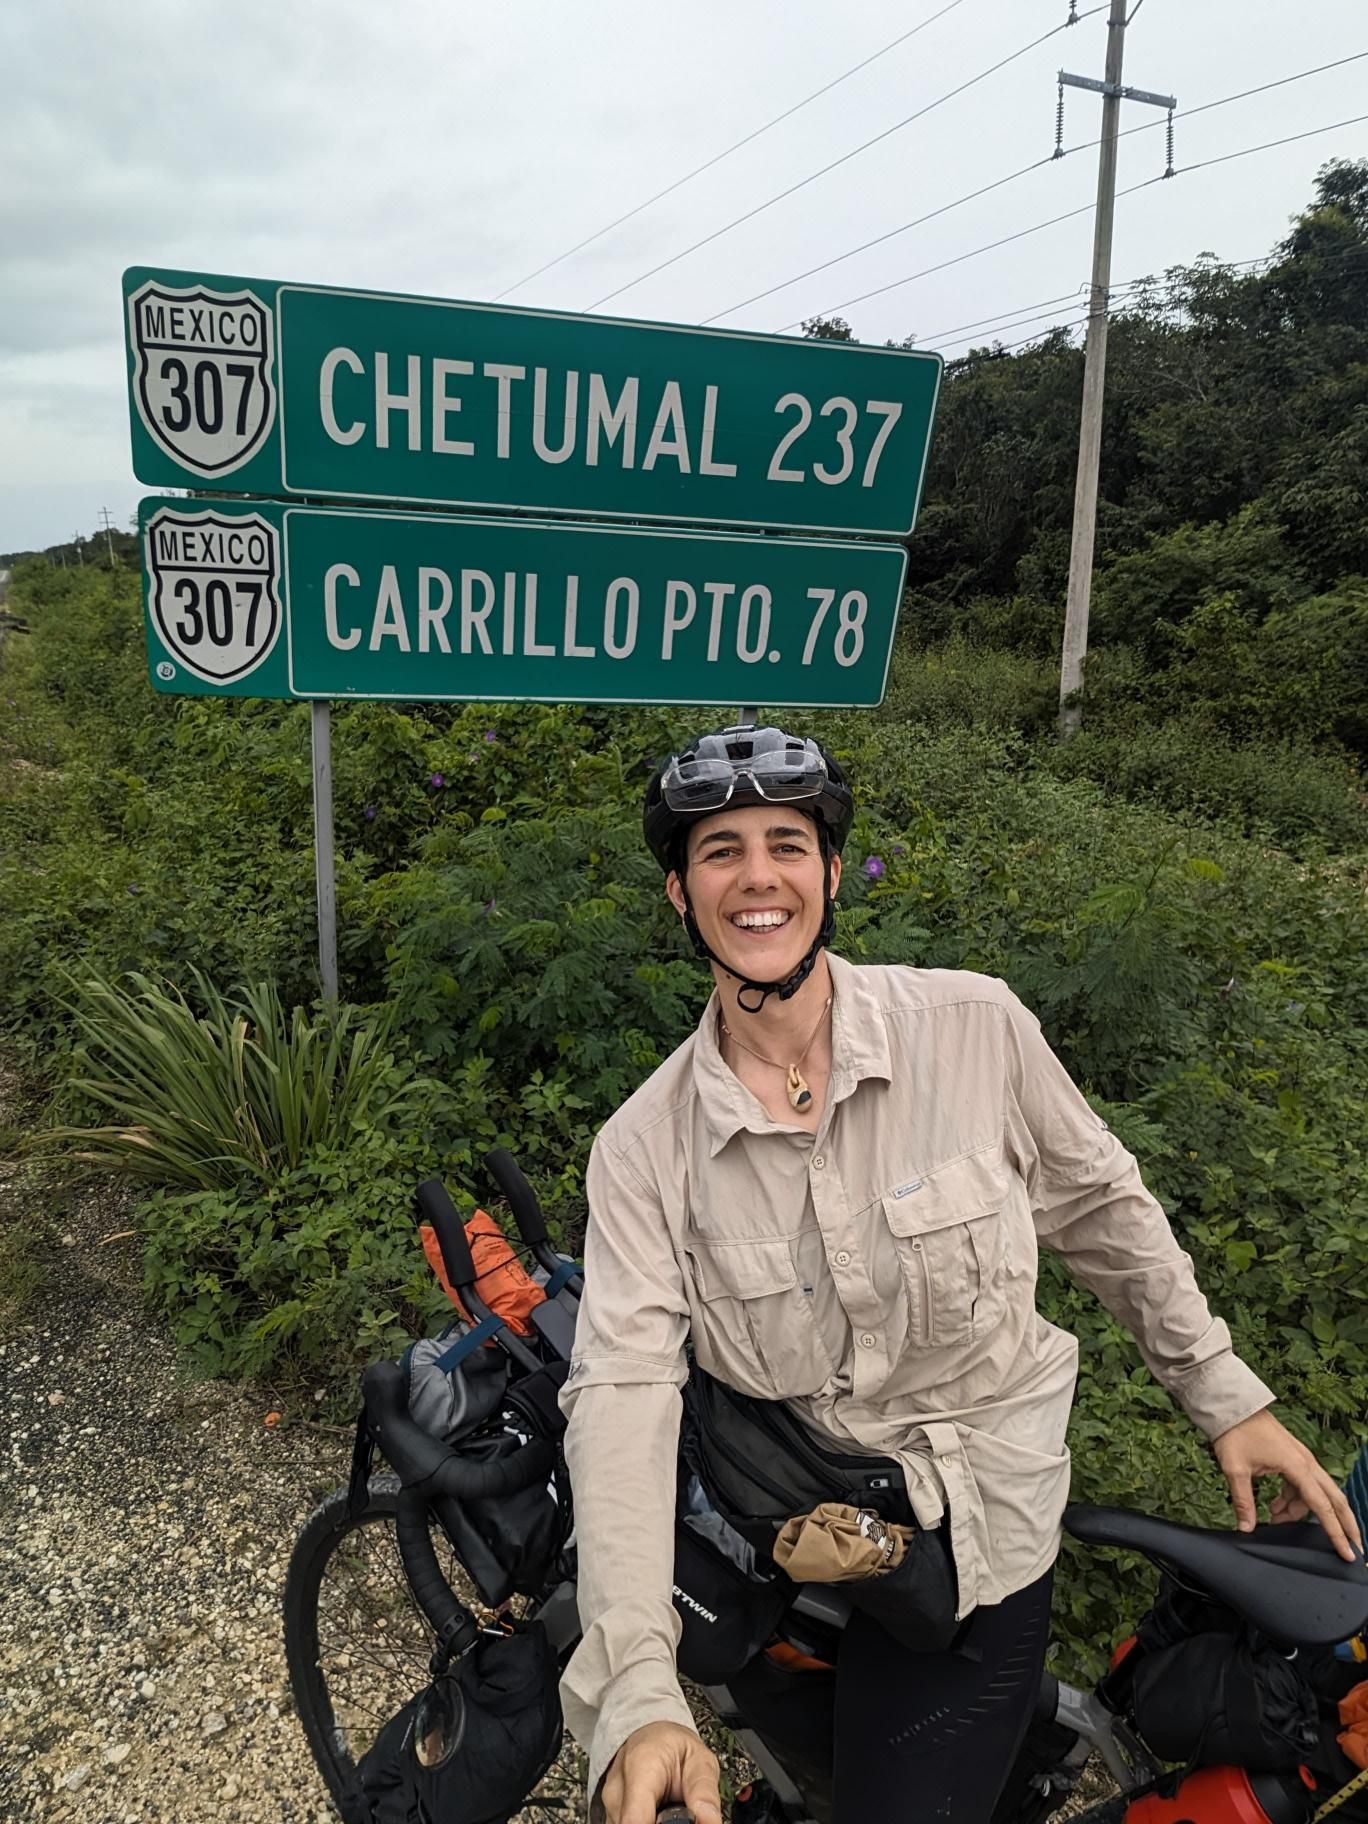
(790, 984)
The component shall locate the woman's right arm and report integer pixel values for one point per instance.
(622, 1402)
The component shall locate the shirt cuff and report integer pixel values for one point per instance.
(647, 1692)
(1219, 1393)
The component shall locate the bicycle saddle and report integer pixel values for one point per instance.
(1288, 1581)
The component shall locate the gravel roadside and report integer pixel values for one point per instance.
(146, 1523)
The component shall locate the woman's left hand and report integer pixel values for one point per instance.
(1263, 1446)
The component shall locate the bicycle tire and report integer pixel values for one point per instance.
(327, 1706)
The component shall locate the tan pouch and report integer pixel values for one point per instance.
(839, 1544)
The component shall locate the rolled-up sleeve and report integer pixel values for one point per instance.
(1090, 1205)
(622, 1403)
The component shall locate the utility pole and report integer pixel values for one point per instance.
(76, 540)
(1095, 358)
(109, 535)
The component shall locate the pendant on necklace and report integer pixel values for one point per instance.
(799, 1094)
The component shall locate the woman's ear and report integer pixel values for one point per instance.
(674, 891)
(835, 874)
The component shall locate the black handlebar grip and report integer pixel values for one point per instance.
(674, 1814)
(435, 1206)
(504, 1169)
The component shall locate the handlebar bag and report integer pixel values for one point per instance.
(472, 1746)
(524, 1530)
(728, 1601)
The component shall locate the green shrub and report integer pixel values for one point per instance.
(315, 1274)
(1281, 791)
(228, 1092)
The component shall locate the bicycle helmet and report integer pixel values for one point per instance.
(748, 766)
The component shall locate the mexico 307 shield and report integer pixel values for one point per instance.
(205, 380)
(214, 593)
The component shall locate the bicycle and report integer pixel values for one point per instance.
(417, 1573)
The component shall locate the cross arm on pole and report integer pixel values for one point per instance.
(1097, 87)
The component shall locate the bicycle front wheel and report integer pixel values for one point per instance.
(357, 1645)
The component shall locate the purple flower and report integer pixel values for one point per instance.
(899, 848)
(437, 781)
(134, 889)
(491, 735)
(874, 867)
(369, 813)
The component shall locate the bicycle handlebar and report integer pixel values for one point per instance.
(435, 1206)
(504, 1169)
(431, 1468)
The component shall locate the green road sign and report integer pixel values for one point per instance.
(296, 390)
(264, 599)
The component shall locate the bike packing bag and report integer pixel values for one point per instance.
(1227, 1699)
(1205, 1689)
(760, 1467)
(474, 1744)
(452, 1398)
(728, 1600)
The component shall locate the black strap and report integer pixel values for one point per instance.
(363, 1462)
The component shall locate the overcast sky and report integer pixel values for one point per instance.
(448, 149)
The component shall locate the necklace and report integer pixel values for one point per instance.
(799, 1094)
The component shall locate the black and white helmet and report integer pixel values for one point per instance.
(744, 766)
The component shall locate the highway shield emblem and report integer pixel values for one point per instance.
(214, 596)
(204, 379)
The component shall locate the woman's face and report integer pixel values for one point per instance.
(755, 879)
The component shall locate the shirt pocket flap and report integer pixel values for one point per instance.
(973, 1186)
(742, 1269)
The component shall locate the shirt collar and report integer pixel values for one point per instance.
(859, 1049)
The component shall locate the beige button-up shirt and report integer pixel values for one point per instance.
(880, 1274)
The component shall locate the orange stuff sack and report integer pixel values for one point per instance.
(1353, 1712)
(500, 1278)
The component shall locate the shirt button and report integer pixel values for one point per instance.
(819, 1162)
(843, 1259)
(868, 1339)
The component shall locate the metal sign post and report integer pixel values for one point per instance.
(320, 716)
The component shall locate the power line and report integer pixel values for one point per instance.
(845, 158)
(1132, 286)
(1069, 214)
(958, 259)
(864, 246)
(942, 338)
(1011, 177)
(736, 146)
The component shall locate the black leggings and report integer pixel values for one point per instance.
(928, 1738)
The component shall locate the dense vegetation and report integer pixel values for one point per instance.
(1179, 893)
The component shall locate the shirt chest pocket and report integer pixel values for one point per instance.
(947, 1229)
(753, 1324)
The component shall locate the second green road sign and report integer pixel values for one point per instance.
(261, 599)
(277, 389)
